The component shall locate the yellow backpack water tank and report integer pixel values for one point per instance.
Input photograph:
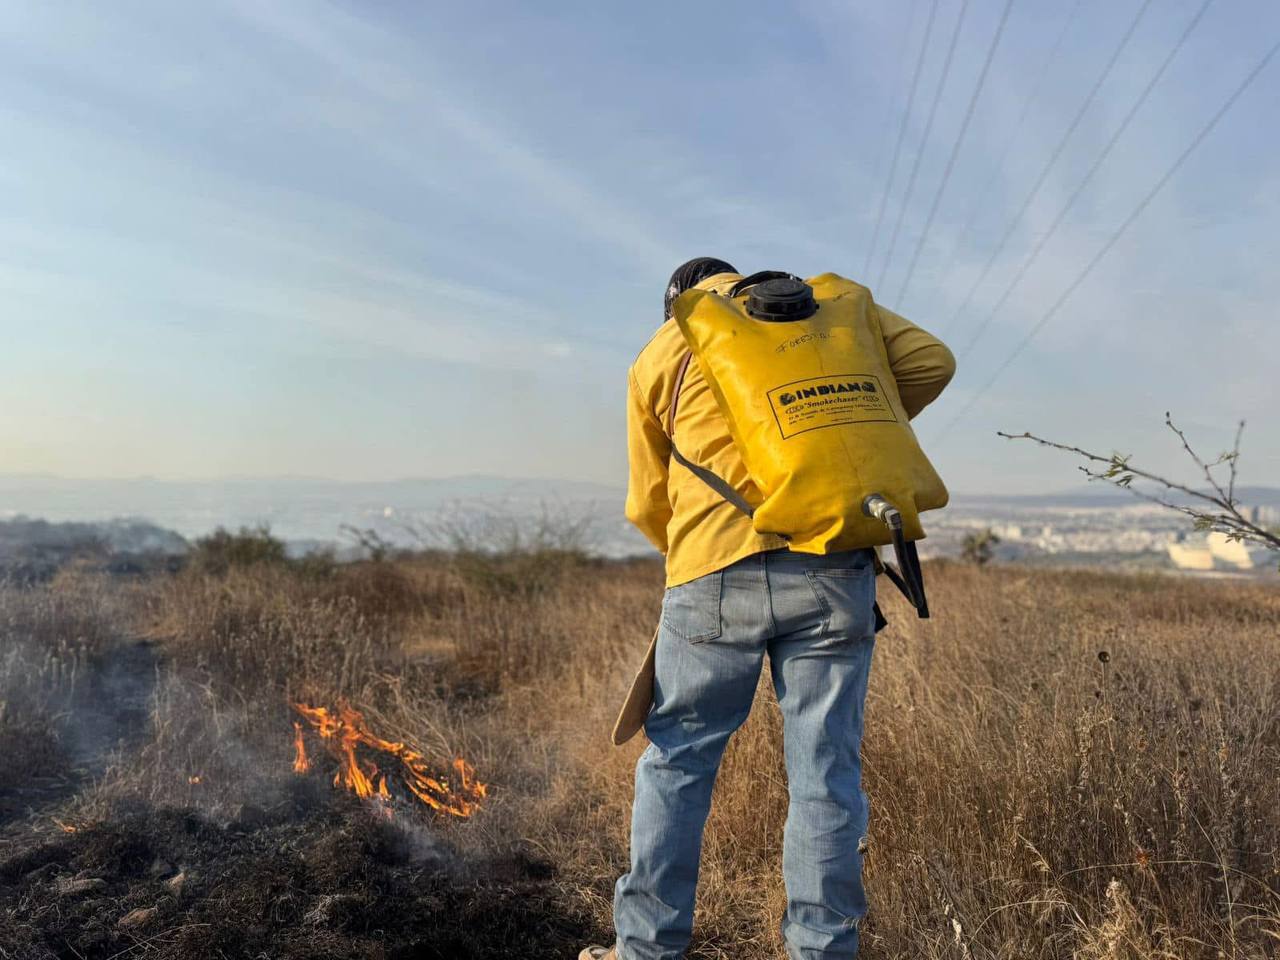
(814, 410)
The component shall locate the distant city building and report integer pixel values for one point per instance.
(1213, 551)
(1191, 556)
(1262, 516)
(1243, 556)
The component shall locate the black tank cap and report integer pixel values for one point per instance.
(781, 299)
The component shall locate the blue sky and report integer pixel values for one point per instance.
(386, 240)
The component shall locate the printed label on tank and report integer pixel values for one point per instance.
(831, 401)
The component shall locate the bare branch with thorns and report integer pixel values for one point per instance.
(1215, 509)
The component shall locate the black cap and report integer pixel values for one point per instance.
(688, 275)
(782, 298)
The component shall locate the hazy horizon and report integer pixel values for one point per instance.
(1082, 487)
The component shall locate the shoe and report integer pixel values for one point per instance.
(599, 953)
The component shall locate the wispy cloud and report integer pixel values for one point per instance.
(416, 88)
(235, 203)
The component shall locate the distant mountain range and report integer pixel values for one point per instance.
(1098, 495)
(309, 510)
(56, 489)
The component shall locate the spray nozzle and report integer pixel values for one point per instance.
(879, 508)
(908, 577)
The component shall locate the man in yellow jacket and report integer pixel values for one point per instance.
(732, 596)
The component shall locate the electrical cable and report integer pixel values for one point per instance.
(980, 196)
(1053, 159)
(1115, 237)
(924, 142)
(1031, 258)
(902, 132)
(900, 90)
(955, 148)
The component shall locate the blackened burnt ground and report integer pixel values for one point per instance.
(66, 743)
(148, 806)
(314, 877)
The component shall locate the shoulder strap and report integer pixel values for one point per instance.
(714, 481)
(710, 478)
(675, 393)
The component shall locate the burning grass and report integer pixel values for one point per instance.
(344, 732)
(264, 762)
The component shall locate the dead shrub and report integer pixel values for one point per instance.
(223, 550)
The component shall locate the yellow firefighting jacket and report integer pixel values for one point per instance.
(691, 524)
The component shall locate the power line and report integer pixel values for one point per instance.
(1113, 239)
(890, 112)
(955, 148)
(980, 197)
(1086, 180)
(1053, 159)
(924, 142)
(902, 132)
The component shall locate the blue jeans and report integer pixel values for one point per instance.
(813, 616)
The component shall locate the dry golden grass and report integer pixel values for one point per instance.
(1029, 799)
(1060, 764)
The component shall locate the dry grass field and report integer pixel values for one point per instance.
(1061, 765)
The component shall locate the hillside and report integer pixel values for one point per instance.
(1060, 765)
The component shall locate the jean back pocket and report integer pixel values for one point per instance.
(847, 597)
(692, 610)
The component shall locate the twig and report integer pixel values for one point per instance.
(1204, 467)
(1119, 472)
(1235, 460)
(154, 937)
(1118, 465)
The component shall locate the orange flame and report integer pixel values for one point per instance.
(193, 780)
(64, 827)
(345, 731)
(300, 762)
